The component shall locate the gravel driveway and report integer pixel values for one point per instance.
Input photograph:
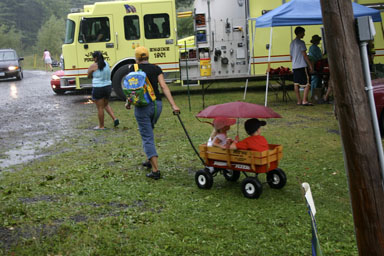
(33, 116)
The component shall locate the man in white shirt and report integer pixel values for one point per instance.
(301, 66)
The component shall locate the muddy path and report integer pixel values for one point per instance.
(34, 117)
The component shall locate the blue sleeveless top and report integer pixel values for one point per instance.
(102, 78)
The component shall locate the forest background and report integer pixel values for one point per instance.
(30, 26)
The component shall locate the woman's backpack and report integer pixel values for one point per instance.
(138, 88)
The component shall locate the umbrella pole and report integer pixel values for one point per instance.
(269, 66)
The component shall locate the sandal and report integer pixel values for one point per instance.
(307, 104)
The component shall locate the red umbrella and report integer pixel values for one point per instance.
(238, 109)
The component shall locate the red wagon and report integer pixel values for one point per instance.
(231, 163)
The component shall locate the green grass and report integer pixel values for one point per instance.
(35, 62)
(93, 198)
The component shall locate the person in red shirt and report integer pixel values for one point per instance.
(255, 141)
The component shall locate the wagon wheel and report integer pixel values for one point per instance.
(204, 179)
(276, 178)
(231, 175)
(251, 187)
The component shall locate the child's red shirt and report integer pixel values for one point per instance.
(255, 143)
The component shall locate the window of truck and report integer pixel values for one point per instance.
(131, 27)
(94, 30)
(156, 26)
(70, 32)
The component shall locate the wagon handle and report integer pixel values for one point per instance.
(177, 113)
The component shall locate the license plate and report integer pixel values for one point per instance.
(2, 74)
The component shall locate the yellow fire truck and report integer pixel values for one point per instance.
(116, 29)
(219, 49)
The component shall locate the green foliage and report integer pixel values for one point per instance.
(184, 27)
(25, 15)
(29, 16)
(10, 38)
(51, 36)
(90, 196)
(183, 3)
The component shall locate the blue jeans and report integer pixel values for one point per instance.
(315, 82)
(146, 119)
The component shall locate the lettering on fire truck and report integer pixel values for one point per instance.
(88, 56)
(159, 52)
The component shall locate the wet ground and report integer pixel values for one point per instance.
(34, 117)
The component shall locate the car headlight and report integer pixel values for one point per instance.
(55, 77)
(11, 68)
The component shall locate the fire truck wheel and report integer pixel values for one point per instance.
(231, 175)
(251, 187)
(118, 80)
(276, 178)
(204, 179)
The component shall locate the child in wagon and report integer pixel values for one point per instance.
(255, 141)
(219, 137)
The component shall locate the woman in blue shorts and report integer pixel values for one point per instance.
(100, 73)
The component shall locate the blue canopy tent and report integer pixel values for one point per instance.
(297, 13)
(306, 12)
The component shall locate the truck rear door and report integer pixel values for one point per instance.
(160, 34)
(95, 34)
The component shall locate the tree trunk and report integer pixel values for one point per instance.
(356, 128)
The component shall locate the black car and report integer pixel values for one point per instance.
(10, 64)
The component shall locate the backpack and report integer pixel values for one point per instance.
(138, 89)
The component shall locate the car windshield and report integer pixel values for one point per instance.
(9, 55)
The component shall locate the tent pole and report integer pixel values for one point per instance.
(250, 60)
(269, 66)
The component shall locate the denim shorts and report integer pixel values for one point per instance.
(146, 119)
(101, 92)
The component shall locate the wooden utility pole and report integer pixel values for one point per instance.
(352, 109)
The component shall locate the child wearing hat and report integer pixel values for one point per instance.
(315, 55)
(219, 137)
(255, 141)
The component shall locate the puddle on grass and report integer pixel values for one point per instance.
(28, 151)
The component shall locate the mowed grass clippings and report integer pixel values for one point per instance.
(93, 198)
